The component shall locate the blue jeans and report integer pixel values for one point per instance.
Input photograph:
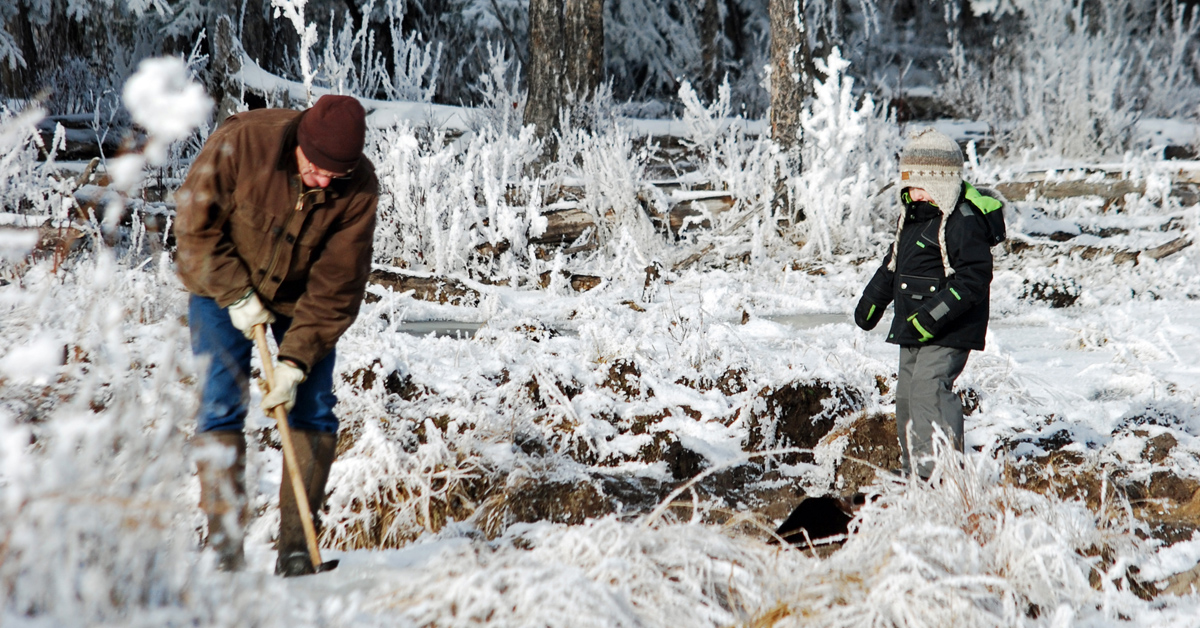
(226, 387)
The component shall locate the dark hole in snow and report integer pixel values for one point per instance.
(820, 518)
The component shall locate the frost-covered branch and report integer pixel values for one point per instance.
(293, 11)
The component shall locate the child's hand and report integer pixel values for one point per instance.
(924, 324)
(867, 314)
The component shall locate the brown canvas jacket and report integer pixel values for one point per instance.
(244, 221)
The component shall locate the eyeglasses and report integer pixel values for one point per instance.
(321, 172)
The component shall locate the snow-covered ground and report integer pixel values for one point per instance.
(522, 474)
(101, 526)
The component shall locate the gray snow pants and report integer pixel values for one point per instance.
(925, 398)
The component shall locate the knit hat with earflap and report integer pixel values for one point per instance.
(933, 162)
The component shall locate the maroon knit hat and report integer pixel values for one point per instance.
(331, 133)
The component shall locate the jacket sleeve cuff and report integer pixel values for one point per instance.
(299, 363)
(230, 297)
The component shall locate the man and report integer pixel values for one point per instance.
(939, 273)
(274, 225)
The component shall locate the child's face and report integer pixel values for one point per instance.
(919, 194)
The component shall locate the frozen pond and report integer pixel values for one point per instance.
(453, 329)
(809, 321)
(462, 329)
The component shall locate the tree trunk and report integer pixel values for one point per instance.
(710, 52)
(790, 70)
(566, 58)
(583, 54)
(791, 83)
(545, 65)
(225, 63)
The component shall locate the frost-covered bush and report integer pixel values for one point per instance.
(501, 99)
(22, 177)
(848, 155)
(725, 155)
(91, 428)
(1167, 55)
(439, 200)
(464, 32)
(1072, 77)
(612, 173)
(350, 62)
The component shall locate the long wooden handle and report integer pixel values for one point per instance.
(289, 452)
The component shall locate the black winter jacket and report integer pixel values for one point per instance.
(931, 308)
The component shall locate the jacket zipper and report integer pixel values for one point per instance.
(279, 239)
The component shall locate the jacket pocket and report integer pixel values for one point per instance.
(250, 230)
(306, 253)
(917, 289)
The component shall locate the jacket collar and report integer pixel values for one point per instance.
(920, 211)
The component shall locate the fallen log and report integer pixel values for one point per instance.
(564, 227)
(1111, 190)
(1018, 190)
(433, 288)
(579, 283)
(81, 140)
(1170, 248)
(697, 212)
(1017, 246)
(95, 202)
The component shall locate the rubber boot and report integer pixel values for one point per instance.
(221, 466)
(314, 456)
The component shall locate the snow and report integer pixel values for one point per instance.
(1089, 367)
(33, 363)
(16, 243)
(164, 101)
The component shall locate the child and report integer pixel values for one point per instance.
(938, 272)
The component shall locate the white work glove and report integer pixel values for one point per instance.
(283, 388)
(247, 312)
